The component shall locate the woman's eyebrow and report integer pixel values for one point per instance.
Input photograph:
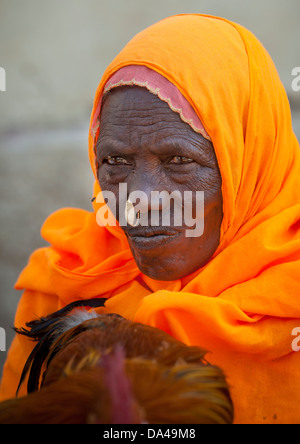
(182, 147)
(113, 147)
(200, 150)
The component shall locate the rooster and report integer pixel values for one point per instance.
(90, 368)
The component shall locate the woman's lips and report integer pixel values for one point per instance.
(151, 237)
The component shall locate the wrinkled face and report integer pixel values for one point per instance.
(145, 145)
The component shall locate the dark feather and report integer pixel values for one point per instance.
(43, 330)
(158, 378)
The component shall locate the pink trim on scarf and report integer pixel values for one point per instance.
(157, 84)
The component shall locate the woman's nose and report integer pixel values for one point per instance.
(146, 191)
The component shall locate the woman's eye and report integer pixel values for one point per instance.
(115, 160)
(181, 159)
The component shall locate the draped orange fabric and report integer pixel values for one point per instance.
(244, 304)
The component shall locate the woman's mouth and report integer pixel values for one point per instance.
(151, 237)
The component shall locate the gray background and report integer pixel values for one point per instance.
(54, 53)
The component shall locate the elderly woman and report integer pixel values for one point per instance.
(193, 103)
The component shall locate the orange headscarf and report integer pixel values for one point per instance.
(244, 304)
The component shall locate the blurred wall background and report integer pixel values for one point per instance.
(54, 54)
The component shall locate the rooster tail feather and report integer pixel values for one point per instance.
(38, 327)
(45, 330)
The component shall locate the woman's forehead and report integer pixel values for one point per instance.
(133, 115)
(135, 98)
(146, 78)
